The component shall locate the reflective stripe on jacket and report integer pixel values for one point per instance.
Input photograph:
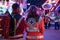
(35, 33)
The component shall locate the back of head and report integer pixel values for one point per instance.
(7, 12)
(15, 6)
(32, 11)
(32, 8)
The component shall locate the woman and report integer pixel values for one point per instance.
(35, 24)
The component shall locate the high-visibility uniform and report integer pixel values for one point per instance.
(35, 33)
(20, 25)
(4, 26)
(20, 29)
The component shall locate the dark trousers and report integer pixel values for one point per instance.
(47, 25)
(56, 25)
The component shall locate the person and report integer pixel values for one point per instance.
(7, 12)
(4, 25)
(46, 22)
(57, 20)
(35, 24)
(19, 21)
(11, 27)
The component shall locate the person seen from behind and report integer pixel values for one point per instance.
(19, 20)
(35, 24)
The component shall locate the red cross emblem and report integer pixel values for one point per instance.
(31, 21)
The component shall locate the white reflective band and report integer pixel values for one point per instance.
(32, 30)
(35, 37)
(1, 29)
(0, 19)
(17, 36)
(19, 21)
(0, 35)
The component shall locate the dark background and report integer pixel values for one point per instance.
(35, 2)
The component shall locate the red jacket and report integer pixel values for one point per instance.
(19, 31)
(38, 35)
(21, 27)
(4, 26)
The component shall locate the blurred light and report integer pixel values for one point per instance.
(47, 6)
(55, 4)
(53, 1)
(28, 4)
(58, 7)
(49, 1)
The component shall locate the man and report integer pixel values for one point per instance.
(19, 20)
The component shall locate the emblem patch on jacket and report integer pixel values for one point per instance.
(31, 21)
